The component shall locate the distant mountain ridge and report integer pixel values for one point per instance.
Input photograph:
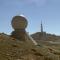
(45, 36)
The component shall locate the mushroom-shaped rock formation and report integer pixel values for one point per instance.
(19, 23)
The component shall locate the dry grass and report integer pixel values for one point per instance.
(12, 49)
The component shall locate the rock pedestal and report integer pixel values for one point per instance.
(19, 34)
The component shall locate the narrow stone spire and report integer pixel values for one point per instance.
(41, 27)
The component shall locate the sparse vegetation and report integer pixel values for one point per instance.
(13, 49)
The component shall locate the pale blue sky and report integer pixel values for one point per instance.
(35, 10)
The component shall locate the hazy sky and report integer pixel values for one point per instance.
(35, 10)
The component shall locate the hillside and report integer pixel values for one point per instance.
(14, 49)
(46, 39)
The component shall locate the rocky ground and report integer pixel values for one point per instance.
(14, 49)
